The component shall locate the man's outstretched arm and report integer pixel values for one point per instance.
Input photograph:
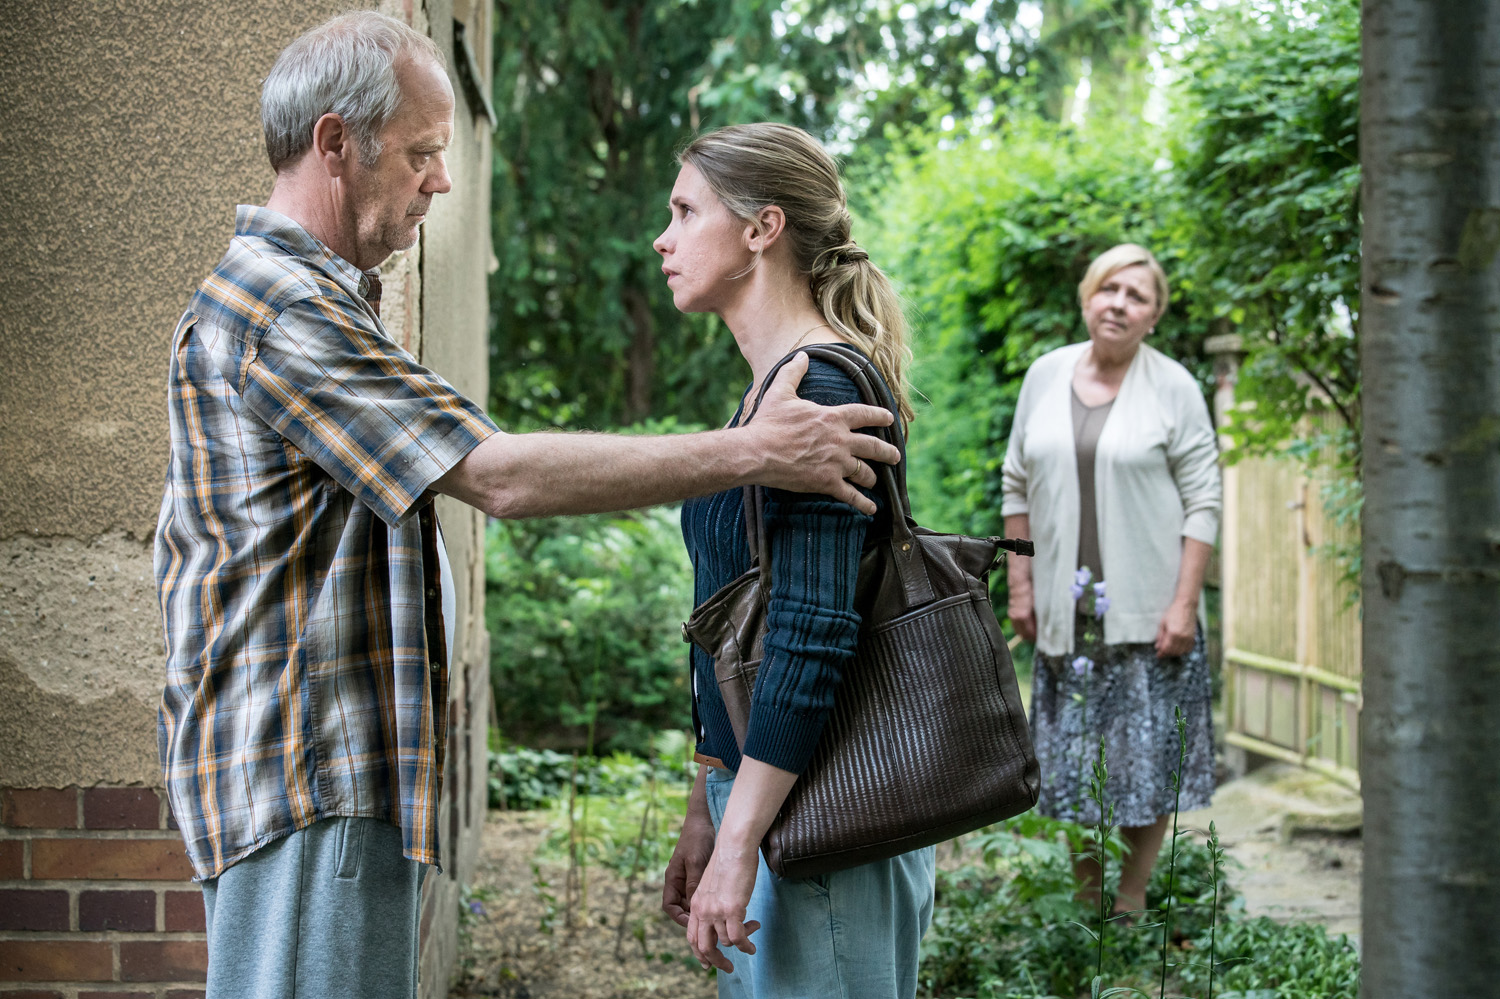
(791, 444)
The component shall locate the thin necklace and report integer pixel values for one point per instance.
(808, 334)
(755, 387)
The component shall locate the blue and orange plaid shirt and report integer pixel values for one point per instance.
(296, 555)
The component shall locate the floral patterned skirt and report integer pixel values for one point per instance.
(1129, 696)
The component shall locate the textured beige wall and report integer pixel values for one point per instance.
(132, 130)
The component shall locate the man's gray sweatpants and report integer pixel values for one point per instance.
(329, 912)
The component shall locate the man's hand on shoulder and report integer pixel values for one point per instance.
(808, 448)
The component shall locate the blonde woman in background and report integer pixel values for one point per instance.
(760, 236)
(1113, 466)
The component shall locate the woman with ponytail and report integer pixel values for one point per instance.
(760, 236)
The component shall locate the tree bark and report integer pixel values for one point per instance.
(1430, 149)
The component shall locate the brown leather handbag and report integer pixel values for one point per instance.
(927, 738)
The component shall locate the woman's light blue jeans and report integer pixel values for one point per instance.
(852, 934)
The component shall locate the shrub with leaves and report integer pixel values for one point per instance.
(1010, 925)
(584, 616)
(523, 778)
(1261, 957)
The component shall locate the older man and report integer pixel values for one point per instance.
(299, 562)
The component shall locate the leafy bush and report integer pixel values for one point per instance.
(584, 618)
(522, 778)
(1008, 927)
(1263, 958)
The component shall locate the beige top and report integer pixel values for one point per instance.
(1088, 423)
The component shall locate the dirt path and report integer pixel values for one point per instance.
(513, 957)
(1295, 838)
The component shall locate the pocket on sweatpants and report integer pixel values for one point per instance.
(351, 845)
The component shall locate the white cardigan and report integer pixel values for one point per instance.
(1156, 481)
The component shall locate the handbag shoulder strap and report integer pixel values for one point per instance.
(873, 391)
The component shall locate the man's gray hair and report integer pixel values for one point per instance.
(345, 66)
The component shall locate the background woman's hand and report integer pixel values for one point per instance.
(1178, 630)
(1022, 613)
(717, 913)
(1022, 606)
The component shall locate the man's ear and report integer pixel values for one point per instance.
(333, 144)
(766, 229)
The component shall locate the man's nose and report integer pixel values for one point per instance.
(438, 181)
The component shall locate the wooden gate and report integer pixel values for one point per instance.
(1291, 631)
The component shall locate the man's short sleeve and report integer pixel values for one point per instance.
(358, 405)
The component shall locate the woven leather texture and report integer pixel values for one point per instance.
(927, 738)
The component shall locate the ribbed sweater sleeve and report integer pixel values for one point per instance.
(811, 624)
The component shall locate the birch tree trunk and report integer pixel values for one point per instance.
(1430, 761)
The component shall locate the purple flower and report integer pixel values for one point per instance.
(1082, 665)
(1099, 589)
(1101, 604)
(1077, 590)
(476, 907)
(1082, 576)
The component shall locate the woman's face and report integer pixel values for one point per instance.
(1123, 309)
(703, 248)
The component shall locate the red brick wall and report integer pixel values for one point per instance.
(95, 897)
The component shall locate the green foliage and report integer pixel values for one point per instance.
(1010, 925)
(1263, 958)
(625, 811)
(523, 778)
(593, 99)
(583, 617)
(1267, 169)
(1267, 166)
(611, 837)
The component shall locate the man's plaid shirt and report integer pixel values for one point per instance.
(296, 555)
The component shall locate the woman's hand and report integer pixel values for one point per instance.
(1022, 612)
(1022, 601)
(718, 907)
(695, 844)
(1179, 626)
(1178, 629)
(717, 912)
